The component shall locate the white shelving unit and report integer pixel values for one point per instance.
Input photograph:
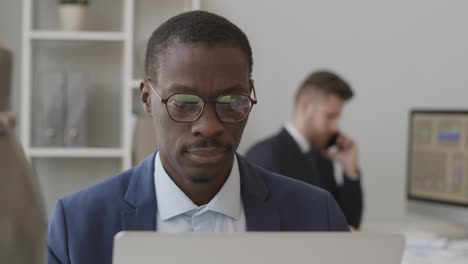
(136, 83)
(76, 152)
(71, 35)
(75, 168)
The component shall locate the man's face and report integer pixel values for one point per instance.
(322, 119)
(203, 150)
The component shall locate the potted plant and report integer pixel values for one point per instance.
(72, 14)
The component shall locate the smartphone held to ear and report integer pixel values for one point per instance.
(332, 141)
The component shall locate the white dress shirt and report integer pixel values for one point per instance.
(177, 213)
(304, 145)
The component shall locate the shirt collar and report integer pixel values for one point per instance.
(228, 200)
(300, 140)
(172, 201)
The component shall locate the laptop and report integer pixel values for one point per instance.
(251, 247)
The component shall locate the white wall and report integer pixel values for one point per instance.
(397, 55)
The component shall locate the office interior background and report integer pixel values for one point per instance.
(397, 55)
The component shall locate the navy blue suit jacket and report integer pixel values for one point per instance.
(83, 225)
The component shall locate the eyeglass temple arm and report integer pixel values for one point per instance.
(163, 100)
(253, 89)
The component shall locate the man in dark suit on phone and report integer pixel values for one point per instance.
(307, 146)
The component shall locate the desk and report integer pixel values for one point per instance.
(427, 240)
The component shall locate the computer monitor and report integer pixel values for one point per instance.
(437, 175)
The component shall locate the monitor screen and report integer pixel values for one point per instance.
(438, 157)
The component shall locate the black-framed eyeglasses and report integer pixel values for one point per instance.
(185, 107)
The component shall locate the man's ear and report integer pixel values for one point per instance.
(145, 97)
(305, 103)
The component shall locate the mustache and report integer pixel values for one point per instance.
(209, 143)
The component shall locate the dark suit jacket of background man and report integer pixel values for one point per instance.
(281, 154)
(83, 225)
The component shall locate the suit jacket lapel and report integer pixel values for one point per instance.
(259, 213)
(140, 210)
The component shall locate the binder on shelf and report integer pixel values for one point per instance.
(50, 115)
(77, 101)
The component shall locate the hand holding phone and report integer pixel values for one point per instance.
(345, 153)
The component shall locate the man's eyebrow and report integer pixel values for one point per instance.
(180, 88)
(237, 89)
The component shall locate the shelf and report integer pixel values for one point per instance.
(76, 152)
(98, 65)
(77, 35)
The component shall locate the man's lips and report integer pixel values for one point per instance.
(206, 154)
(206, 150)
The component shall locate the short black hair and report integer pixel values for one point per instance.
(326, 82)
(194, 27)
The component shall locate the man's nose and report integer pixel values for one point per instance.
(208, 124)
